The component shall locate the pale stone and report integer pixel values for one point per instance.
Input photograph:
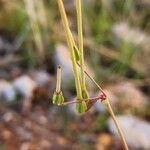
(135, 130)
(6, 91)
(126, 96)
(24, 85)
(41, 77)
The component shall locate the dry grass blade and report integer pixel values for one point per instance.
(30, 9)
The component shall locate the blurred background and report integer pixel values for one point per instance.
(117, 52)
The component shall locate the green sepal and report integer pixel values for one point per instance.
(81, 107)
(85, 94)
(58, 98)
(77, 53)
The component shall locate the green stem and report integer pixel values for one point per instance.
(70, 45)
(109, 108)
(80, 42)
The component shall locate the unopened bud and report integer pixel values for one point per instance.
(85, 94)
(81, 107)
(58, 98)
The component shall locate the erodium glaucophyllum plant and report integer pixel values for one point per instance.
(83, 102)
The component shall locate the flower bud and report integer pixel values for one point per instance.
(81, 107)
(58, 98)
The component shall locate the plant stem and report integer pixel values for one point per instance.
(77, 81)
(70, 45)
(86, 100)
(58, 82)
(107, 104)
(80, 42)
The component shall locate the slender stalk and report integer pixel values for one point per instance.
(70, 45)
(92, 79)
(107, 104)
(58, 82)
(80, 42)
(73, 42)
(109, 108)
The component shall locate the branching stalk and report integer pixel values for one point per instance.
(109, 108)
(81, 85)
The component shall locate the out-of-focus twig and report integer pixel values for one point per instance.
(9, 59)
